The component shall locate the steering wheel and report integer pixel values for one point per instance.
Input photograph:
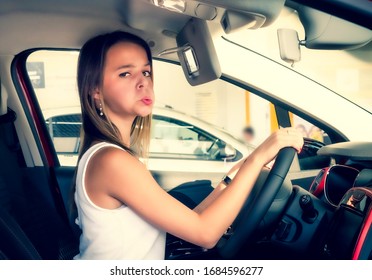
(250, 216)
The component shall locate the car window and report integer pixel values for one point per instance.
(309, 130)
(65, 132)
(314, 139)
(224, 108)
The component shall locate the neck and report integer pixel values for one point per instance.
(124, 127)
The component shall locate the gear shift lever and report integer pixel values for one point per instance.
(309, 213)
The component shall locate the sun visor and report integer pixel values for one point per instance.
(197, 54)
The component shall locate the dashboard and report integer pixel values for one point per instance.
(330, 220)
(347, 187)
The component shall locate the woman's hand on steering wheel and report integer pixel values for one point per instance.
(284, 137)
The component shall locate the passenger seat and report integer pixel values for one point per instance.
(31, 226)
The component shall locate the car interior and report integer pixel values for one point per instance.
(316, 205)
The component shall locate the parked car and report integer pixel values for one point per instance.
(182, 148)
(228, 52)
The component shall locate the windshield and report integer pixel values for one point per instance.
(348, 73)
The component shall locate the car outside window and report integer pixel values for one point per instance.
(65, 132)
(309, 130)
(172, 138)
(177, 141)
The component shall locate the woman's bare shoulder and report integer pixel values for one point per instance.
(112, 156)
(111, 170)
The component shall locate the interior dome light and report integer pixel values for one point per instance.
(171, 5)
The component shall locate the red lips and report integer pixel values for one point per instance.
(147, 101)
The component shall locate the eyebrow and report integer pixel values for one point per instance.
(130, 66)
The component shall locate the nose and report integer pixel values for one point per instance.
(143, 81)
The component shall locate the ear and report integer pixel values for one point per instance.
(96, 94)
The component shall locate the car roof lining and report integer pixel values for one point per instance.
(326, 31)
(21, 18)
(357, 11)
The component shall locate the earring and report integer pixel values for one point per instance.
(100, 110)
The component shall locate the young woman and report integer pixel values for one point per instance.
(122, 211)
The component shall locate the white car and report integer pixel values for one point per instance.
(182, 148)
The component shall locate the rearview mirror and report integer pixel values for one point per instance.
(289, 45)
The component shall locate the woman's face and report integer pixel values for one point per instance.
(127, 88)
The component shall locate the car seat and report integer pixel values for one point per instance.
(31, 227)
(14, 244)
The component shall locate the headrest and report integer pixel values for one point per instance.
(6, 115)
(3, 100)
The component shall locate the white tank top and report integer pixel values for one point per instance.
(112, 234)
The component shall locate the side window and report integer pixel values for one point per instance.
(310, 131)
(171, 138)
(223, 108)
(65, 132)
(314, 139)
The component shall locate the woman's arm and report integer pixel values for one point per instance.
(210, 198)
(218, 189)
(115, 174)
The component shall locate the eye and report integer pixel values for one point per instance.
(146, 73)
(124, 74)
